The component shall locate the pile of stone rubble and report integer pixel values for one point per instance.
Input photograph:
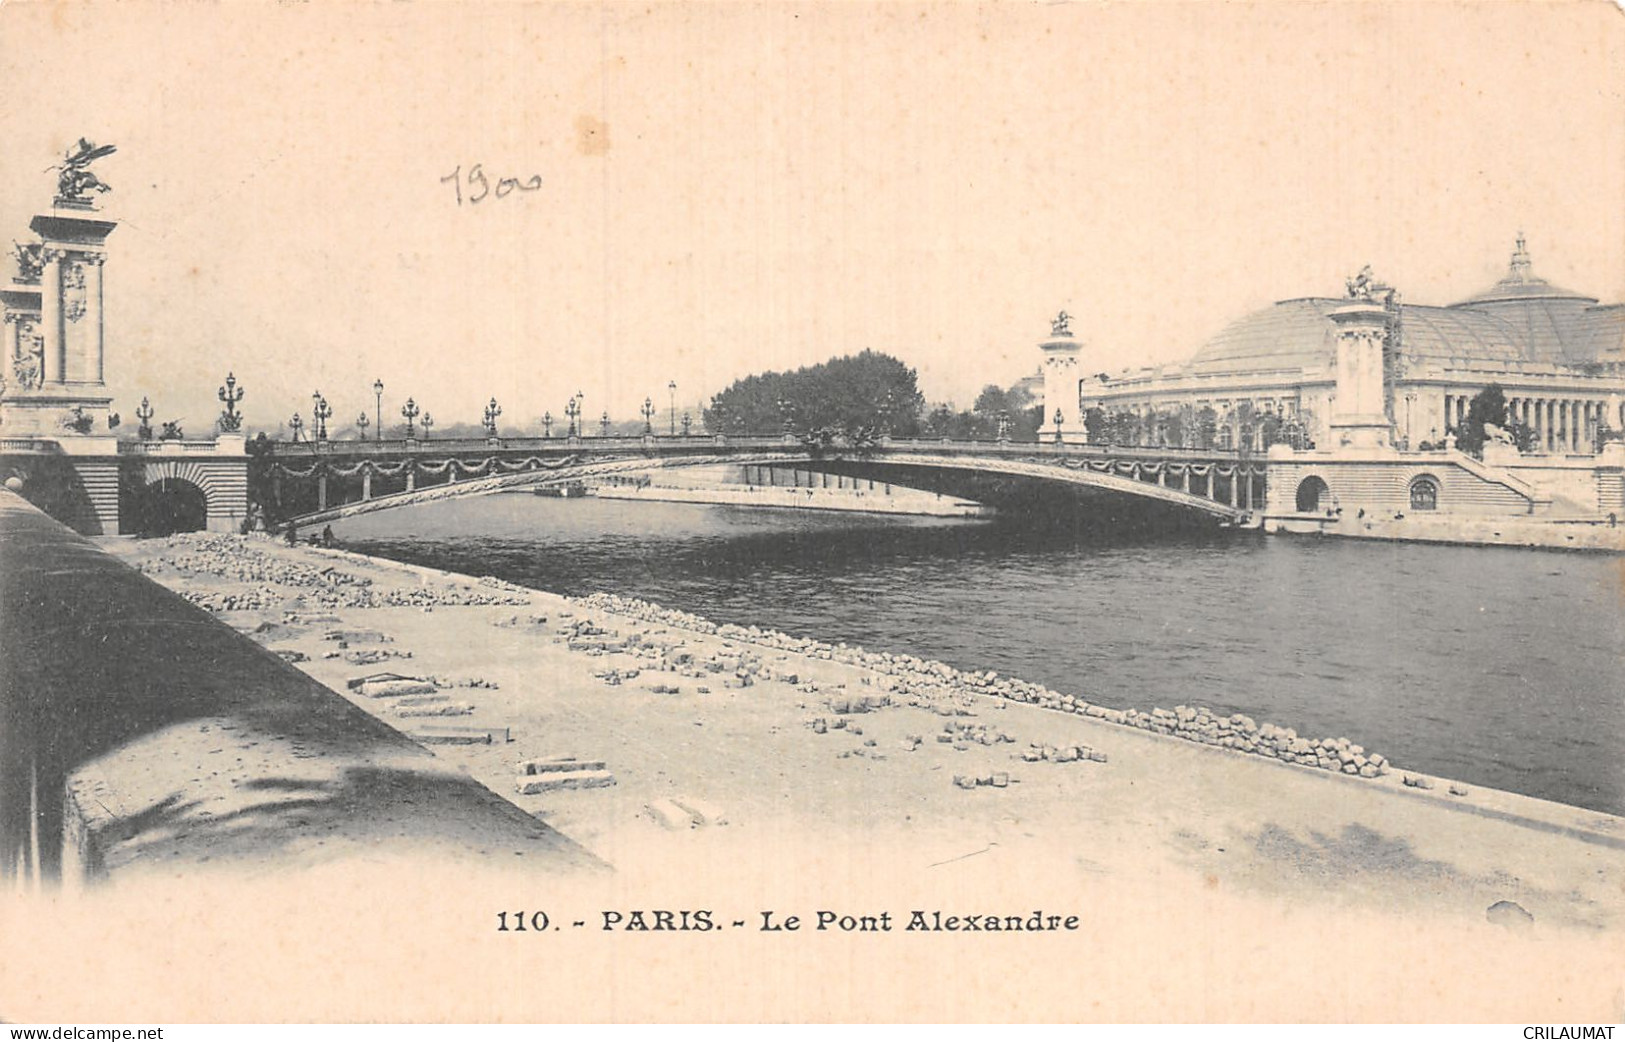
(252, 560)
(922, 681)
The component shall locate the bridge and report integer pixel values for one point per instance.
(318, 482)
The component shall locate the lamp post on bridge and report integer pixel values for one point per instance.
(378, 404)
(1004, 425)
(648, 416)
(143, 413)
(296, 425)
(410, 411)
(547, 424)
(231, 420)
(428, 422)
(671, 390)
(361, 424)
(573, 411)
(687, 420)
(492, 411)
(603, 424)
(320, 411)
(1057, 426)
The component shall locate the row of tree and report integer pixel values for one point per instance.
(1187, 427)
(861, 396)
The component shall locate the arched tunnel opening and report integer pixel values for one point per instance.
(165, 507)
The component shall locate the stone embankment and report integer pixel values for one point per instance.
(909, 676)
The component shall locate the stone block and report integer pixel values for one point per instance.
(389, 685)
(531, 784)
(444, 709)
(701, 812)
(559, 765)
(667, 814)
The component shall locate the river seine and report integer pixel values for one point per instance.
(1497, 666)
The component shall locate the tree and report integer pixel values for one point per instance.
(1487, 406)
(1269, 429)
(1207, 427)
(1015, 404)
(855, 396)
(1095, 424)
(1173, 425)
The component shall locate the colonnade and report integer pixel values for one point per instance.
(1560, 424)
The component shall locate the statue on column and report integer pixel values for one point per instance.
(1061, 325)
(30, 259)
(74, 179)
(1365, 286)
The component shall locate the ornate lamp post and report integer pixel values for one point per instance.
(410, 411)
(231, 421)
(296, 424)
(687, 420)
(603, 424)
(573, 411)
(1004, 425)
(671, 390)
(492, 411)
(1057, 426)
(428, 422)
(378, 405)
(144, 415)
(319, 414)
(547, 424)
(361, 424)
(648, 416)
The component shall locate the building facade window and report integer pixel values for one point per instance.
(1425, 494)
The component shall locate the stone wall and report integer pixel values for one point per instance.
(138, 734)
(1381, 484)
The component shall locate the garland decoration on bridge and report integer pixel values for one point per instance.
(463, 467)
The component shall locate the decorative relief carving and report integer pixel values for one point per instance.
(28, 365)
(73, 292)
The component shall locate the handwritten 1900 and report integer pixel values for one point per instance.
(479, 185)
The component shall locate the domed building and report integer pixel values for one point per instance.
(1558, 355)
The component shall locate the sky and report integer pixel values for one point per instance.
(725, 189)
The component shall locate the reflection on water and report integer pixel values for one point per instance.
(1496, 666)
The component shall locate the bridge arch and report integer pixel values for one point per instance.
(1190, 485)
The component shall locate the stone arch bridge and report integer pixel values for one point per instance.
(315, 483)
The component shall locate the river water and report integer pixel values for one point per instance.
(1497, 666)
